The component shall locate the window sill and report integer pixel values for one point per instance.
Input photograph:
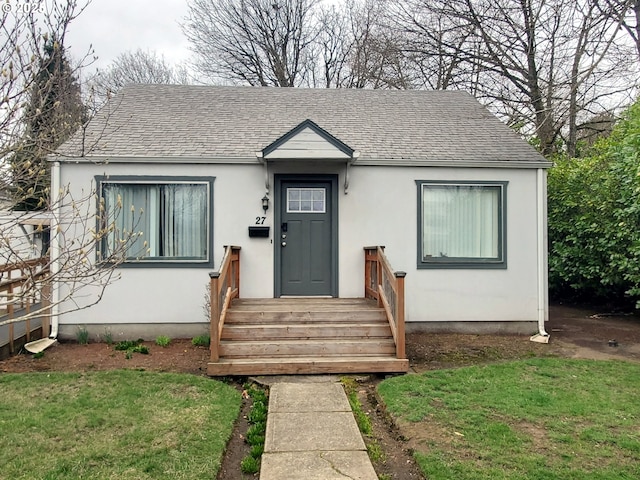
(463, 265)
(163, 264)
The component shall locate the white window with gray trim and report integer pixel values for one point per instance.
(461, 224)
(166, 220)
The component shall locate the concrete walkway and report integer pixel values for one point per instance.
(312, 435)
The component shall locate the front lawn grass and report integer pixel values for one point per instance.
(531, 419)
(119, 424)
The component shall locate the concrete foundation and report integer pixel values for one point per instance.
(149, 331)
(478, 328)
(133, 331)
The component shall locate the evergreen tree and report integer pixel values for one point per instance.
(54, 111)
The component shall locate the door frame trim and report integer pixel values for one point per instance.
(277, 193)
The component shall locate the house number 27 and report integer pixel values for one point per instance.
(260, 220)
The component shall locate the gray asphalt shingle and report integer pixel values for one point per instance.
(206, 122)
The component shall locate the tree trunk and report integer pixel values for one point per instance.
(636, 9)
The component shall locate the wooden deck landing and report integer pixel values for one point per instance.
(306, 336)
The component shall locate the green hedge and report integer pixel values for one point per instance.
(594, 219)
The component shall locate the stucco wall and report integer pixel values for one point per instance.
(176, 295)
(379, 209)
(386, 201)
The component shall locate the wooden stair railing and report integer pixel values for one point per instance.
(224, 287)
(385, 286)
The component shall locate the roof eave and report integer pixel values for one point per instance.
(462, 163)
(361, 161)
(106, 159)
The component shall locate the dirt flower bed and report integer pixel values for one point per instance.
(180, 356)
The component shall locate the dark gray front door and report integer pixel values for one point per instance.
(306, 237)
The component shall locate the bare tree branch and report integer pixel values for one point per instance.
(541, 62)
(261, 42)
(40, 107)
(139, 66)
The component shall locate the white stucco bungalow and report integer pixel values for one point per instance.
(455, 196)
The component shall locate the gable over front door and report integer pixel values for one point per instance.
(306, 237)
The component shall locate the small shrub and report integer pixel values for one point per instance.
(201, 341)
(82, 335)
(131, 347)
(257, 395)
(162, 340)
(257, 451)
(250, 465)
(258, 413)
(256, 433)
(38, 355)
(107, 337)
(140, 349)
(127, 344)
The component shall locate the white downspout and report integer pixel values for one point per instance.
(55, 249)
(38, 346)
(541, 207)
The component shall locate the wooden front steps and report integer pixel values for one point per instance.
(305, 336)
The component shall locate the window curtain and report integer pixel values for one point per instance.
(460, 221)
(172, 220)
(184, 232)
(129, 209)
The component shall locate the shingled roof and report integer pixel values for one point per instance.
(231, 124)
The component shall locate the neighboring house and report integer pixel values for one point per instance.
(23, 241)
(23, 235)
(455, 196)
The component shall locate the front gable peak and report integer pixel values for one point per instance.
(307, 141)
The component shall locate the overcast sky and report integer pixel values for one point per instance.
(115, 26)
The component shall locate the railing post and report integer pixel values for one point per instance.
(379, 272)
(400, 344)
(214, 300)
(236, 280)
(370, 290)
(367, 272)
